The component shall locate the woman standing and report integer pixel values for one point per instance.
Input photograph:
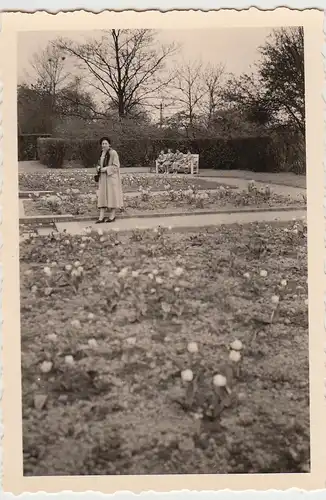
(110, 195)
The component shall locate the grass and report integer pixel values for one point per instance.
(126, 316)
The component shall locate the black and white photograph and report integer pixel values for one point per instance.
(163, 251)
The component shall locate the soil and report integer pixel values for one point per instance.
(116, 404)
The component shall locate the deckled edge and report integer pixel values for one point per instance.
(147, 493)
(1, 278)
(324, 203)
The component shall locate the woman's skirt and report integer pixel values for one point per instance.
(110, 191)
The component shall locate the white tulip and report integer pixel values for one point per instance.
(235, 356)
(46, 366)
(219, 380)
(263, 273)
(69, 360)
(47, 271)
(187, 375)
(236, 345)
(92, 343)
(178, 271)
(192, 347)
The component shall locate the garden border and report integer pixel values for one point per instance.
(75, 218)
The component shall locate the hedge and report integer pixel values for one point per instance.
(51, 151)
(257, 154)
(27, 146)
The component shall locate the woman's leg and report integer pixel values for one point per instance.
(112, 214)
(101, 217)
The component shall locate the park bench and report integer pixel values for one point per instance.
(194, 167)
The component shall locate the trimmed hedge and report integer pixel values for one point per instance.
(27, 146)
(51, 151)
(257, 154)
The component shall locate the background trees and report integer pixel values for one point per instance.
(128, 82)
(125, 67)
(274, 93)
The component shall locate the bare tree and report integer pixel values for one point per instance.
(126, 67)
(188, 91)
(50, 74)
(212, 79)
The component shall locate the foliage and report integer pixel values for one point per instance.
(27, 146)
(275, 93)
(51, 151)
(257, 154)
(89, 152)
(190, 198)
(122, 315)
(81, 179)
(53, 94)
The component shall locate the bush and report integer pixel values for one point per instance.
(51, 151)
(89, 152)
(27, 146)
(257, 154)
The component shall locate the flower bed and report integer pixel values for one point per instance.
(189, 200)
(120, 378)
(82, 181)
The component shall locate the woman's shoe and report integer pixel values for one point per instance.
(111, 220)
(100, 221)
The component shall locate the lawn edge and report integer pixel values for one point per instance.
(72, 218)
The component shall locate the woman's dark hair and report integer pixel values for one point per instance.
(105, 139)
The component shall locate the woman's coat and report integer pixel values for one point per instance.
(109, 187)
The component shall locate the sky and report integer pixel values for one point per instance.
(235, 48)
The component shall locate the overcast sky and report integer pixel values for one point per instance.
(237, 48)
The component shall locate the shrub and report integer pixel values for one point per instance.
(51, 151)
(27, 146)
(257, 154)
(89, 152)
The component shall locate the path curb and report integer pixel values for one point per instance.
(71, 218)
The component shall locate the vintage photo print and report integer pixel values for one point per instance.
(162, 187)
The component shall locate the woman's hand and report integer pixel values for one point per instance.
(104, 169)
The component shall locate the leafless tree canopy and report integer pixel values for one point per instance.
(125, 66)
(129, 74)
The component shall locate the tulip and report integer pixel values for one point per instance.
(235, 356)
(187, 375)
(69, 360)
(192, 347)
(46, 366)
(219, 380)
(236, 345)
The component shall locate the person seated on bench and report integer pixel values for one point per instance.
(187, 162)
(177, 162)
(169, 159)
(161, 161)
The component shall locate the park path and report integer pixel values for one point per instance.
(182, 222)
